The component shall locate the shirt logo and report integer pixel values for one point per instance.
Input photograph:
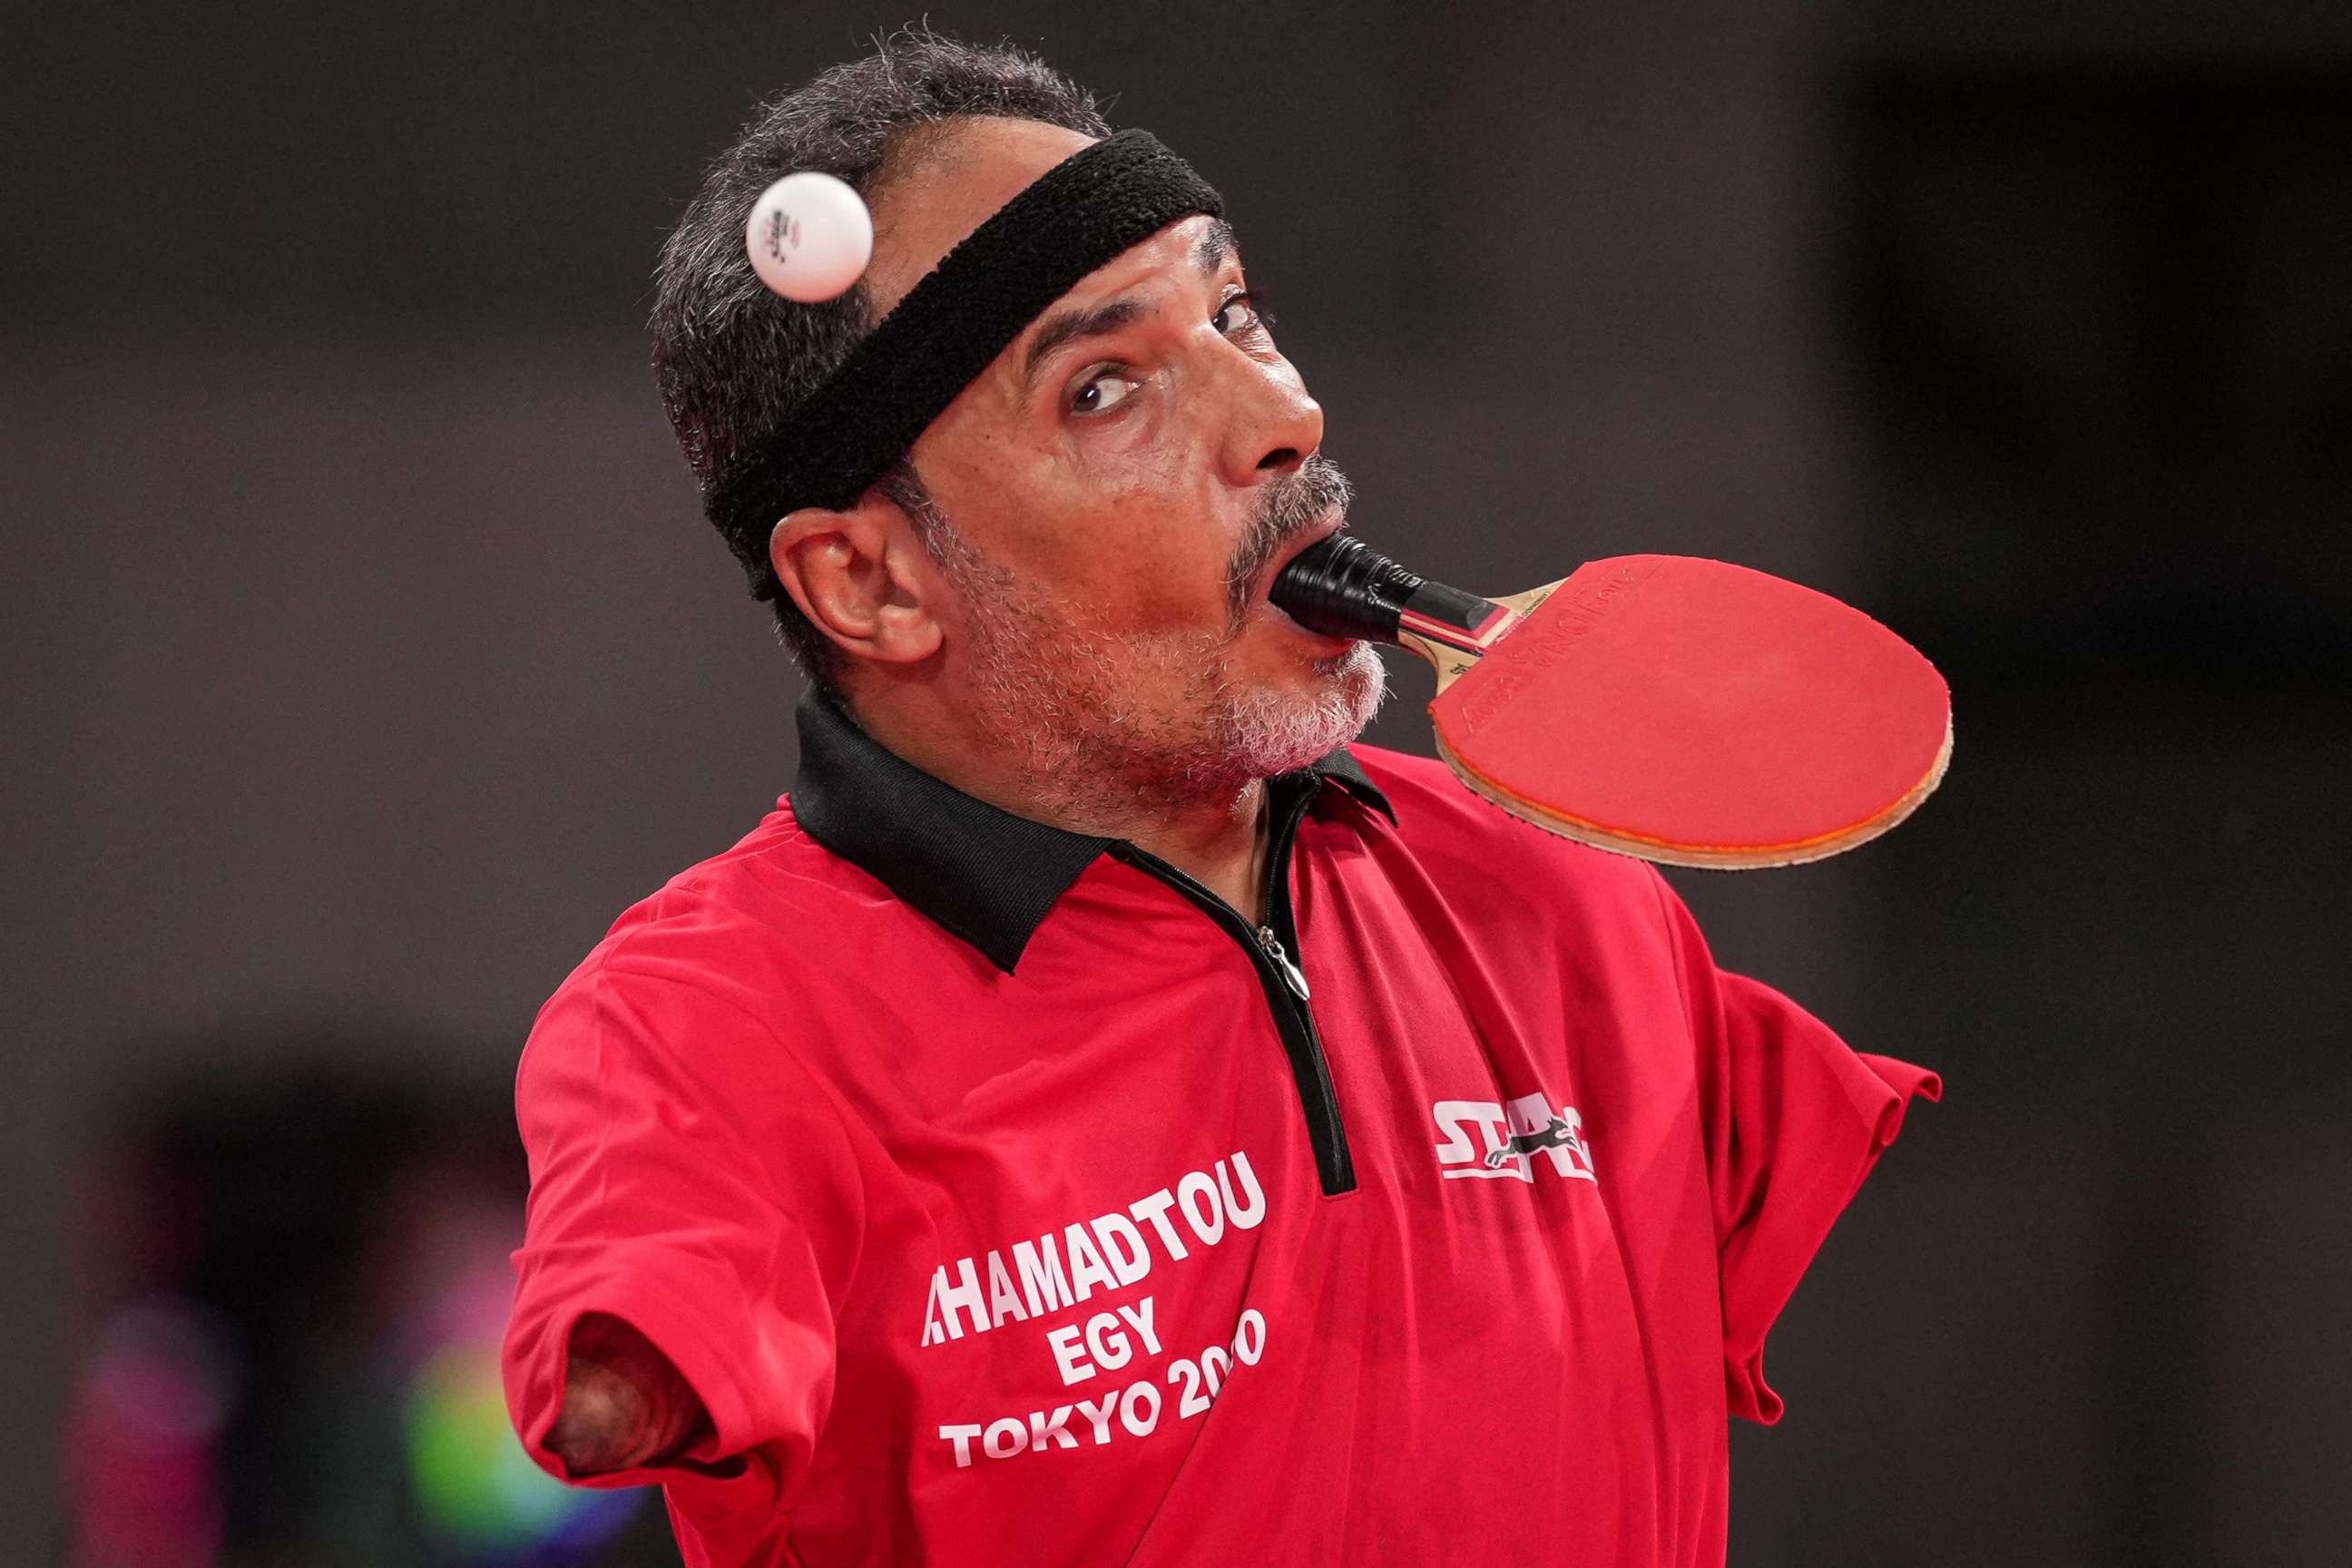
(1488, 1139)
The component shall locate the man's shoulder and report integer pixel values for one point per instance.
(1459, 835)
(704, 995)
(750, 920)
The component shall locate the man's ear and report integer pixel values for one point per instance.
(856, 574)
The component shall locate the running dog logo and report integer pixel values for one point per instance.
(1559, 1135)
(1487, 1138)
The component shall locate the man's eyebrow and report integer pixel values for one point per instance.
(1069, 326)
(1216, 246)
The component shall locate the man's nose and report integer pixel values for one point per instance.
(1275, 427)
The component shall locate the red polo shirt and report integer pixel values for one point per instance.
(1007, 1198)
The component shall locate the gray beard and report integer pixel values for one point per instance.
(1058, 697)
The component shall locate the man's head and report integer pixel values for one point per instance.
(1068, 568)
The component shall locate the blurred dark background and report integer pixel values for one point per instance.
(366, 655)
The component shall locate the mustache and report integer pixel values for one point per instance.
(1288, 509)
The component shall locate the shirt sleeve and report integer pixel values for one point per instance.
(1794, 1121)
(690, 1180)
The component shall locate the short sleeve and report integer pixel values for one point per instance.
(1794, 1123)
(690, 1179)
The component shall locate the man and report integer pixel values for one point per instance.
(1098, 1118)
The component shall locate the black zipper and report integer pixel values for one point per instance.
(1273, 950)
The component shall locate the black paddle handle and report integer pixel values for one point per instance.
(1343, 587)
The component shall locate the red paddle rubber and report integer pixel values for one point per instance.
(1699, 714)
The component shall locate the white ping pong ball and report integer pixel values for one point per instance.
(810, 237)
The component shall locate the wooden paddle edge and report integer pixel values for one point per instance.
(1700, 856)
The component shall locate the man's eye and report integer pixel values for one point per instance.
(1099, 394)
(1242, 313)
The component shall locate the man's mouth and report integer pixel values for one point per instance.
(1294, 514)
(1328, 524)
(1331, 524)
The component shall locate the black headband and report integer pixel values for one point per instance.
(1078, 214)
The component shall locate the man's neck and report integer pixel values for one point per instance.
(1218, 843)
(1222, 849)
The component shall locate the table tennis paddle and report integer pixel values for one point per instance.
(1683, 710)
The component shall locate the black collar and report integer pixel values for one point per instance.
(983, 874)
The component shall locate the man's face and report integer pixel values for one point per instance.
(1122, 486)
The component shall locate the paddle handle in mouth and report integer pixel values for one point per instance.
(1343, 587)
